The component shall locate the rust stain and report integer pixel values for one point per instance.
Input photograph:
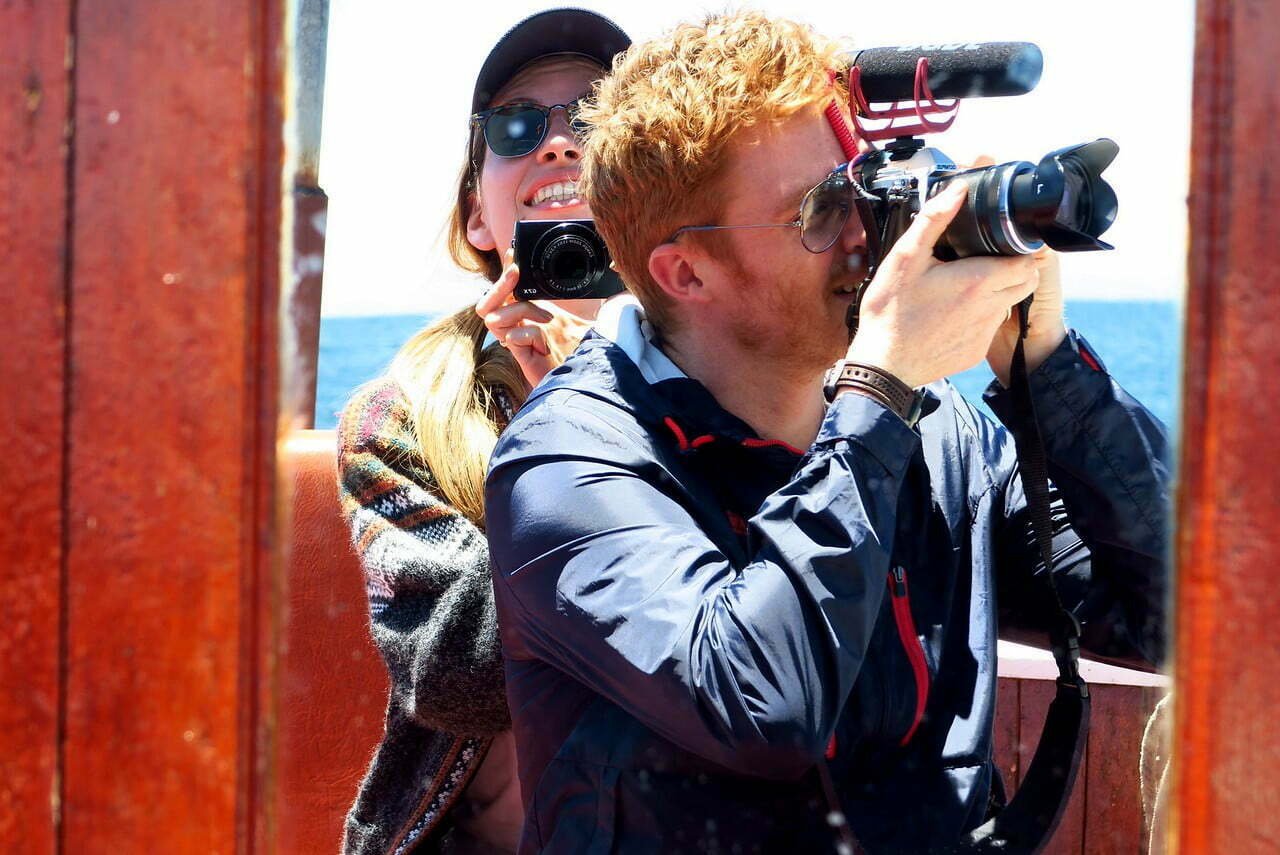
(1225, 763)
(32, 93)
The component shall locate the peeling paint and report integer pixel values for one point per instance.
(311, 264)
(32, 93)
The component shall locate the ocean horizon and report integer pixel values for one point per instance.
(1138, 340)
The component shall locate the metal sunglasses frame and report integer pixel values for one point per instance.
(843, 170)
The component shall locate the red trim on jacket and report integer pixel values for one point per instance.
(765, 443)
(911, 644)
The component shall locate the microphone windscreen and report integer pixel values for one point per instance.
(974, 70)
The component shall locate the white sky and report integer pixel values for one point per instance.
(398, 91)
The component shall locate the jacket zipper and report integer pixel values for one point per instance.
(910, 643)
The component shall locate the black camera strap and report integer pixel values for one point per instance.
(1028, 822)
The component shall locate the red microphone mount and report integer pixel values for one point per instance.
(931, 115)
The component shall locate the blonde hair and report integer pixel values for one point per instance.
(455, 388)
(660, 122)
(486, 262)
(451, 381)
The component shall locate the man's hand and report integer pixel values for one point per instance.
(539, 335)
(922, 319)
(1047, 322)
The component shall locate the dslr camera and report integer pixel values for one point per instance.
(563, 260)
(1013, 208)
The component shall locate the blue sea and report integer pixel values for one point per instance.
(1140, 342)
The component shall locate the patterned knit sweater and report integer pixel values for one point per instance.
(432, 617)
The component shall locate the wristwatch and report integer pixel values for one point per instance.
(905, 402)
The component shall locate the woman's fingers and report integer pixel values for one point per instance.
(528, 346)
(501, 312)
(501, 292)
(529, 336)
(506, 319)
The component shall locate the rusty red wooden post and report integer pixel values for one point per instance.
(1227, 757)
(34, 98)
(138, 364)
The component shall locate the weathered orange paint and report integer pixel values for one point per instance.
(33, 174)
(172, 364)
(333, 683)
(1227, 757)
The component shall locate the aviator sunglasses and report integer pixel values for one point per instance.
(824, 211)
(514, 130)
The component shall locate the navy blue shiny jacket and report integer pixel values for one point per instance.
(692, 616)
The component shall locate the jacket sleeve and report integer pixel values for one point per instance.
(606, 576)
(1107, 459)
(426, 573)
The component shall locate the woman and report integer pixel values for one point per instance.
(414, 445)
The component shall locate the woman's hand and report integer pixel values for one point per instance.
(539, 335)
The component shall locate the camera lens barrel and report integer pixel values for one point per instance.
(1015, 208)
(986, 225)
(568, 260)
(563, 260)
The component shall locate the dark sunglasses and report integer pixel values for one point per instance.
(514, 130)
(824, 211)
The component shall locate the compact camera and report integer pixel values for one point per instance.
(563, 260)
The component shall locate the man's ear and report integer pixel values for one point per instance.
(478, 232)
(673, 267)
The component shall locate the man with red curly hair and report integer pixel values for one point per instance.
(714, 574)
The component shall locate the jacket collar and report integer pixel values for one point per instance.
(618, 362)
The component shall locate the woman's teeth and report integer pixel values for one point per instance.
(561, 191)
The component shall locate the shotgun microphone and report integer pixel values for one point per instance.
(958, 70)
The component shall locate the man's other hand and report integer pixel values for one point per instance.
(1047, 326)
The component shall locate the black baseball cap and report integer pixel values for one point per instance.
(555, 31)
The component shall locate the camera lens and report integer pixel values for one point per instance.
(987, 223)
(567, 261)
(1077, 202)
(1016, 208)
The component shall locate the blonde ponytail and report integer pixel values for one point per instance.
(454, 386)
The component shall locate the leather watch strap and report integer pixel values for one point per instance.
(878, 384)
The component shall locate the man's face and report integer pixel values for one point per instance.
(777, 299)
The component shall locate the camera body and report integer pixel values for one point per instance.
(1013, 208)
(563, 260)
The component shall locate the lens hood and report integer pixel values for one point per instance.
(1065, 198)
